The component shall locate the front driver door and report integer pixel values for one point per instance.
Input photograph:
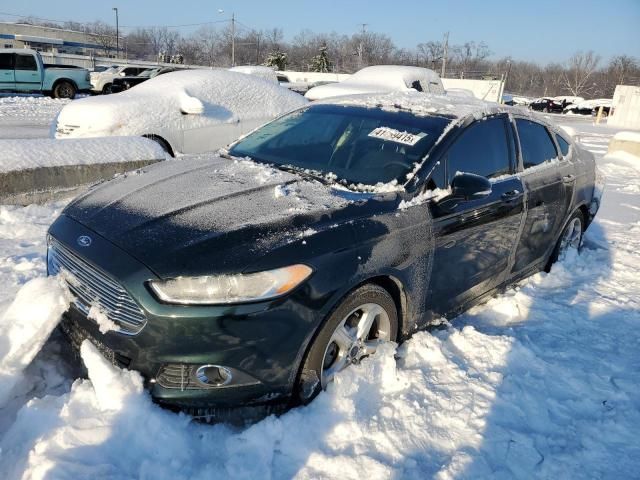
(7, 75)
(475, 239)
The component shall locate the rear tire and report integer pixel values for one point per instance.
(64, 89)
(364, 318)
(570, 238)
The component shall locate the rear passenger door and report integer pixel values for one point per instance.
(475, 241)
(548, 194)
(7, 75)
(26, 71)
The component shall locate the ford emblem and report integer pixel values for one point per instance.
(84, 240)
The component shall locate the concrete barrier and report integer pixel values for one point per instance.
(40, 170)
(625, 142)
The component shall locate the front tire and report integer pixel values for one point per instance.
(64, 89)
(365, 318)
(106, 90)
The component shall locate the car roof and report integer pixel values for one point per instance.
(423, 104)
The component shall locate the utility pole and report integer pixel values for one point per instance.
(233, 39)
(117, 34)
(361, 45)
(444, 54)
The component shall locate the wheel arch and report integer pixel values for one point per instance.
(58, 81)
(164, 143)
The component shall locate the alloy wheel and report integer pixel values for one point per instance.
(355, 337)
(571, 237)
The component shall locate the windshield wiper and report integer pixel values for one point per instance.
(305, 173)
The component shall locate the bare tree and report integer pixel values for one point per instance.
(581, 67)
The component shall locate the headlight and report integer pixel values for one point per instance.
(226, 289)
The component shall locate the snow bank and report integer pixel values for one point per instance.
(44, 152)
(26, 325)
(36, 109)
(627, 137)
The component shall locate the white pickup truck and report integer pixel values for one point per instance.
(22, 70)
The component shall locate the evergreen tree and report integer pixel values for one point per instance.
(320, 62)
(277, 59)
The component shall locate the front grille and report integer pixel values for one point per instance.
(90, 286)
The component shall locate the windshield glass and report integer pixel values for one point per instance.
(357, 144)
(147, 73)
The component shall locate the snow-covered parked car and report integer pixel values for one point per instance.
(266, 73)
(191, 111)
(590, 107)
(382, 79)
(253, 277)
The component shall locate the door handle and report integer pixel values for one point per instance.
(568, 178)
(511, 196)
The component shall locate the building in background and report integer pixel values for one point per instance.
(50, 40)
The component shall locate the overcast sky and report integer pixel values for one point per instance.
(538, 30)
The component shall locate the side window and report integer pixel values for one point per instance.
(26, 62)
(6, 61)
(535, 142)
(563, 144)
(130, 71)
(416, 85)
(481, 149)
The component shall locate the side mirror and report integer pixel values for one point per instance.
(469, 186)
(190, 105)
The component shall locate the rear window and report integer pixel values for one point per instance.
(563, 144)
(26, 62)
(535, 143)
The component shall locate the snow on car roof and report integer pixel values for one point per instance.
(423, 104)
(379, 78)
(257, 70)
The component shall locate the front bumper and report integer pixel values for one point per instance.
(261, 344)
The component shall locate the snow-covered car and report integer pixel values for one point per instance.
(253, 277)
(590, 107)
(190, 111)
(382, 79)
(266, 73)
(101, 81)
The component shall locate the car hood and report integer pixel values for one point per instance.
(207, 214)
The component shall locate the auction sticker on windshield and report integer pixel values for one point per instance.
(393, 135)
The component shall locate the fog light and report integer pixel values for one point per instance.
(213, 375)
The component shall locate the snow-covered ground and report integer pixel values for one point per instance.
(28, 116)
(541, 382)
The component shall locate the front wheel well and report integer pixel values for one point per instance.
(161, 141)
(395, 289)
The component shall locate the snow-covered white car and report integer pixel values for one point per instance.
(101, 81)
(191, 111)
(266, 73)
(382, 79)
(590, 107)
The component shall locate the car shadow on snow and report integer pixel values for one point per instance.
(544, 384)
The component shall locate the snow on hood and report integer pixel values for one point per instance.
(226, 97)
(378, 78)
(181, 206)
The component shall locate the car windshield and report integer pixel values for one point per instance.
(357, 144)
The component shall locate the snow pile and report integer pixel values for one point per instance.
(44, 152)
(26, 325)
(156, 105)
(627, 137)
(380, 79)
